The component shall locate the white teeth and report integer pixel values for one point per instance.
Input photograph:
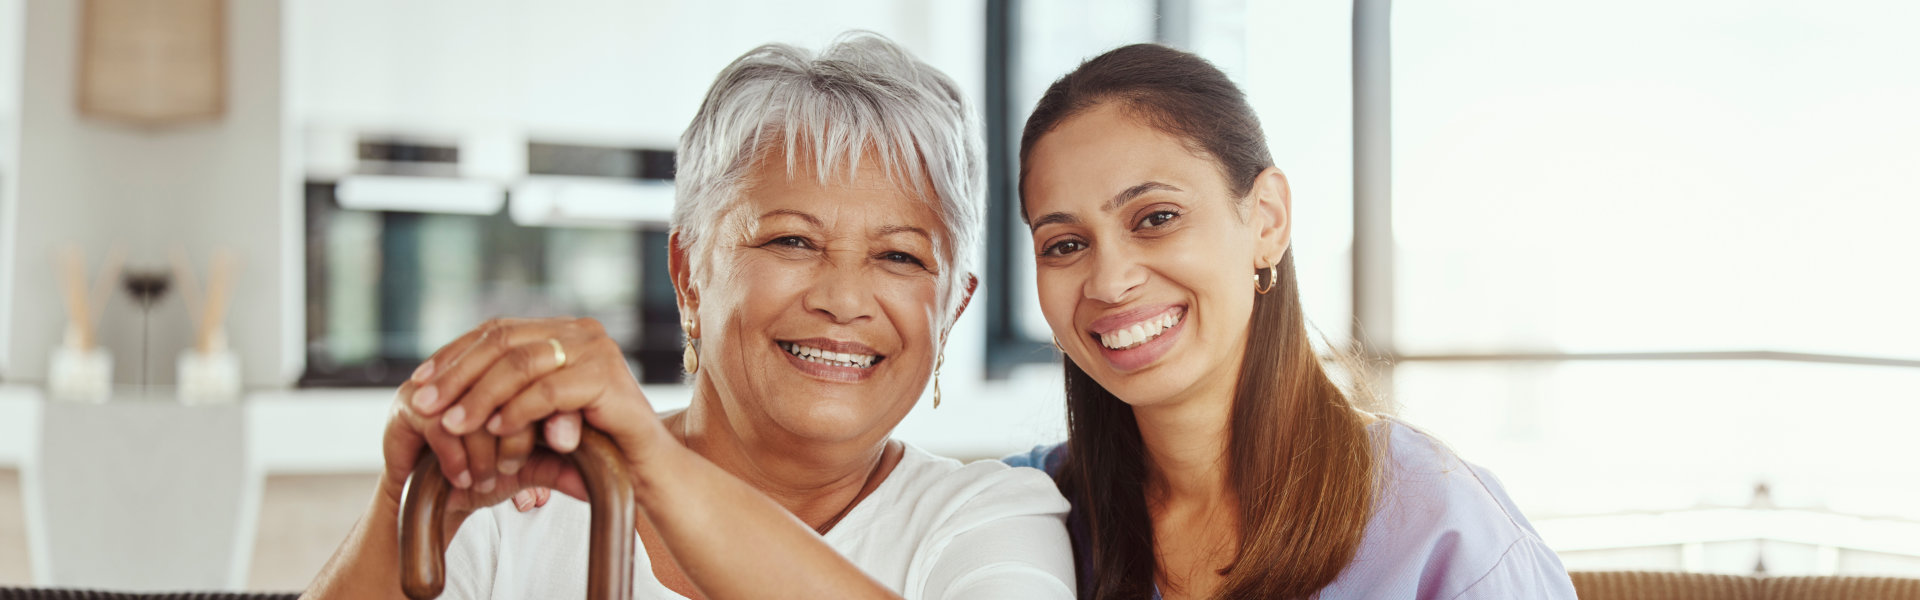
(1140, 333)
(838, 359)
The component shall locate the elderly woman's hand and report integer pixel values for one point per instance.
(493, 383)
(408, 432)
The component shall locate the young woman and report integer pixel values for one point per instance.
(1210, 456)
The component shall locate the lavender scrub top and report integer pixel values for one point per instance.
(1444, 529)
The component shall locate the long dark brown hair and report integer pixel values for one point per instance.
(1301, 462)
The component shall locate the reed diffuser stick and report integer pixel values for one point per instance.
(73, 277)
(84, 303)
(219, 286)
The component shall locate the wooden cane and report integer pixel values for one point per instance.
(423, 506)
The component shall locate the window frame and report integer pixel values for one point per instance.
(1373, 238)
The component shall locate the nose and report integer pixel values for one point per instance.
(1115, 276)
(841, 294)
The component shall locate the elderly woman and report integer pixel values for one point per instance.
(826, 209)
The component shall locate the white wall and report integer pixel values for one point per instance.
(202, 186)
(592, 71)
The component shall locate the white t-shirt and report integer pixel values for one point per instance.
(934, 529)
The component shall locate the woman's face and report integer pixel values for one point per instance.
(818, 309)
(1144, 257)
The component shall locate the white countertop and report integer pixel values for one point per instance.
(335, 430)
(338, 430)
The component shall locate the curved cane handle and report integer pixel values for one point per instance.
(423, 507)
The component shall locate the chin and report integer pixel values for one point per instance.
(1142, 390)
(1166, 381)
(825, 416)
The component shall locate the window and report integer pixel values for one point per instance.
(1655, 258)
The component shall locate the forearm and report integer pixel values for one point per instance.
(367, 564)
(732, 541)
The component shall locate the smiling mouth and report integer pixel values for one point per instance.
(1142, 332)
(831, 358)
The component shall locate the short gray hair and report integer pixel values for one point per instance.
(863, 91)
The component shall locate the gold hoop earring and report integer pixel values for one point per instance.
(690, 358)
(1056, 345)
(1273, 277)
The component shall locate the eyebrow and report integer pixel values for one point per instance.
(893, 229)
(1129, 194)
(885, 230)
(1118, 200)
(810, 219)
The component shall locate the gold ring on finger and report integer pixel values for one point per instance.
(559, 353)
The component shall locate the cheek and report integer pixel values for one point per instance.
(756, 292)
(913, 308)
(761, 276)
(1059, 290)
(1217, 270)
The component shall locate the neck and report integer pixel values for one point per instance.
(816, 482)
(1186, 448)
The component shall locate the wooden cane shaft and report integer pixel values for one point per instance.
(423, 506)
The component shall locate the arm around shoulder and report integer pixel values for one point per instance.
(1009, 540)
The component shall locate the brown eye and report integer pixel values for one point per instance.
(1063, 248)
(791, 241)
(903, 258)
(1157, 218)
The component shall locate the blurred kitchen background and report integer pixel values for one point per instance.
(1653, 263)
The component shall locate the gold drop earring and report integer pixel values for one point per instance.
(690, 359)
(937, 362)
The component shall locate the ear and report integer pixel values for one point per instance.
(1273, 215)
(679, 267)
(973, 283)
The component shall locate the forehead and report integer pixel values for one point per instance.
(1107, 149)
(855, 191)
